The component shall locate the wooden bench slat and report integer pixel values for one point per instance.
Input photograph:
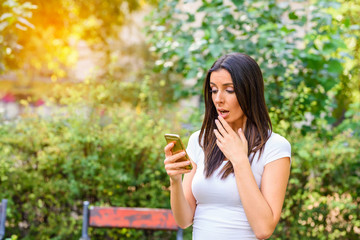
(141, 218)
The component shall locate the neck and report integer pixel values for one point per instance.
(240, 124)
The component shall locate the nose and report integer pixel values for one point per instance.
(218, 98)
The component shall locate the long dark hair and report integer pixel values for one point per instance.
(249, 89)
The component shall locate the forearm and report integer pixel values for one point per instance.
(180, 207)
(258, 211)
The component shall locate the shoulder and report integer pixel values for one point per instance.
(276, 147)
(194, 137)
(194, 140)
(277, 141)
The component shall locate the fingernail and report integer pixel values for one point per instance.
(183, 153)
(240, 129)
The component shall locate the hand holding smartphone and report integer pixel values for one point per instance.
(178, 147)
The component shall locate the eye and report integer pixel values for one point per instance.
(213, 90)
(230, 90)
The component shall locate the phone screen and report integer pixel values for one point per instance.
(178, 147)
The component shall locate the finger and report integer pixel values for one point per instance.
(175, 157)
(218, 143)
(242, 135)
(168, 148)
(177, 172)
(177, 165)
(218, 135)
(225, 125)
(220, 128)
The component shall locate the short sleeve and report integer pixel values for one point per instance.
(277, 148)
(193, 146)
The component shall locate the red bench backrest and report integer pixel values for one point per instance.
(123, 217)
(141, 218)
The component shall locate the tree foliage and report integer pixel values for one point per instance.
(301, 51)
(49, 48)
(13, 20)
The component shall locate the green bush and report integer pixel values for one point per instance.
(48, 167)
(322, 200)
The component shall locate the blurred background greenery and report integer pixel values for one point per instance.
(88, 88)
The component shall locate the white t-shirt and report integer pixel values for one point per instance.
(219, 214)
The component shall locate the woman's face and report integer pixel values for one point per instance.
(224, 99)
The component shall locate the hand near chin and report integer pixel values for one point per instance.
(233, 144)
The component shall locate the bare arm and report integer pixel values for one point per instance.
(181, 198)
(262, 206)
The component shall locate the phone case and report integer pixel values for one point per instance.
(178, 147)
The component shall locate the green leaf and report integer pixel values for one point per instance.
(334, 66)
(293, 16)
(268, 27)
(347, 22)
(191, 17)
(213, 33)
(238, 2)
(215, 50)
(329, 47)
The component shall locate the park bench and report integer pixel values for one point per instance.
(125, 217)
(2, 218)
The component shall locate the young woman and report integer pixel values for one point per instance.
(237, 186)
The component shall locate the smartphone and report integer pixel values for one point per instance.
(178, 147)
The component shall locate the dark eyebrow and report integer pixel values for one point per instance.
(225, 84)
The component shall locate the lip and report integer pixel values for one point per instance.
(223, 115)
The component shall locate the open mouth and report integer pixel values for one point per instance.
(223, 113)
